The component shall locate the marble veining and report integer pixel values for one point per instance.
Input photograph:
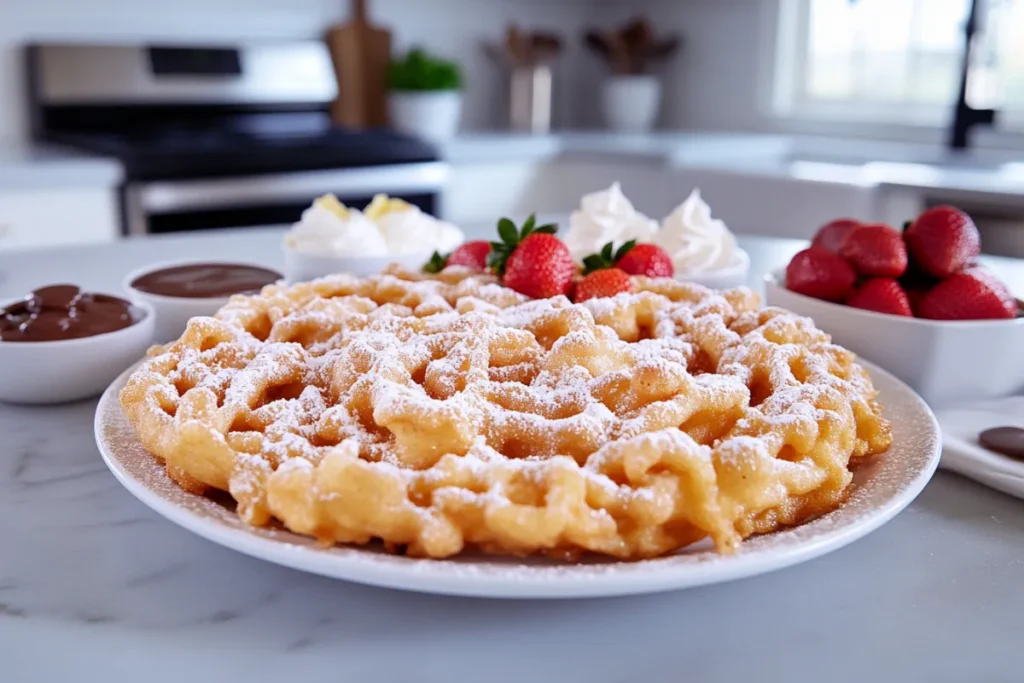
(114, 590)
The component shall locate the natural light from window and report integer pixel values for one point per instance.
(899, 60)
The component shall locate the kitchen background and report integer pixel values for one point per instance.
(786, 113)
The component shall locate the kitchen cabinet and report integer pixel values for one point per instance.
(38, 217)
(749, 202)
(478, 193)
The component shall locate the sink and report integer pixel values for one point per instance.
(867, 152)
(944, 161)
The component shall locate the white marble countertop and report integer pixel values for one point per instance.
(92, 581)
(42, 167)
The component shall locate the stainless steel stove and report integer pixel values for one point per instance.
(219, 136)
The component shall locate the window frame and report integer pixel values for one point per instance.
(790, 101)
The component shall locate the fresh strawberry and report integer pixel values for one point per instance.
(943, 240)
(975, 294)
(647, 259)
(916, 278)
(471, 255)
(821, 274)
(644, 259)
(875, 250)
(531, 260)
(831, 235)
(636, 259)
(916, 283)
(602, 283)
(881, 294)
(540, 267)
(915, 297)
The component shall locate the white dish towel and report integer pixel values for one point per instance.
(961, 452)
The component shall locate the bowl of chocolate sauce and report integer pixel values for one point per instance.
(59, 343)
(181, 291)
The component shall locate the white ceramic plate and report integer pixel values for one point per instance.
(883, 488)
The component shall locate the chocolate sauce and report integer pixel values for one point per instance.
(61, 312)
(205, 280)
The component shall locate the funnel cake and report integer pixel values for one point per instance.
(448, 412)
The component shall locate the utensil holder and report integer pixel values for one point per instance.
(530, 99)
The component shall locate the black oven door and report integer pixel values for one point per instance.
(271, 200)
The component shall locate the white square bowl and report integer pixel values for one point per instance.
(944, 361)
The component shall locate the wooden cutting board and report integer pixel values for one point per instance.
(360, 52)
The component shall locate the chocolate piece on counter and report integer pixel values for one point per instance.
(62, 312)
(206, 280)
(1008, 441)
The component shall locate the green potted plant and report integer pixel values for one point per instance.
(424, 95)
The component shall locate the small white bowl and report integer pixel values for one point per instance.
(174, 312)
(944, 361)
(722, 278)
(301, 266)
(71, 369)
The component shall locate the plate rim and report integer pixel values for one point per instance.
(449, 577)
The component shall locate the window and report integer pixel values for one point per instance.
(897, 60)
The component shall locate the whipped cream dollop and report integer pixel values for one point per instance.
(603, 217)
(408, 230)
(330, 227)
(696, 242)
(387, 227)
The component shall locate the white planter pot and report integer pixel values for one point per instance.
(631, 102)
(429, 115)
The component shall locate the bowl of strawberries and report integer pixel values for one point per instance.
(917, 302)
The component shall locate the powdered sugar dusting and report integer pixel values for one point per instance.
(460, 401)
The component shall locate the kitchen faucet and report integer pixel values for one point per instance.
(965, 116)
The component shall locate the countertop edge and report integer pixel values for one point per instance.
(42, 167)
(751, 154)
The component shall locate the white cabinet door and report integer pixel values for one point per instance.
(31, 217)
(749, 202)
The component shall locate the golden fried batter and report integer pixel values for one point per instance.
(449, 412)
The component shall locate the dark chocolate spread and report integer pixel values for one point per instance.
(61, 312)
(205, 280)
